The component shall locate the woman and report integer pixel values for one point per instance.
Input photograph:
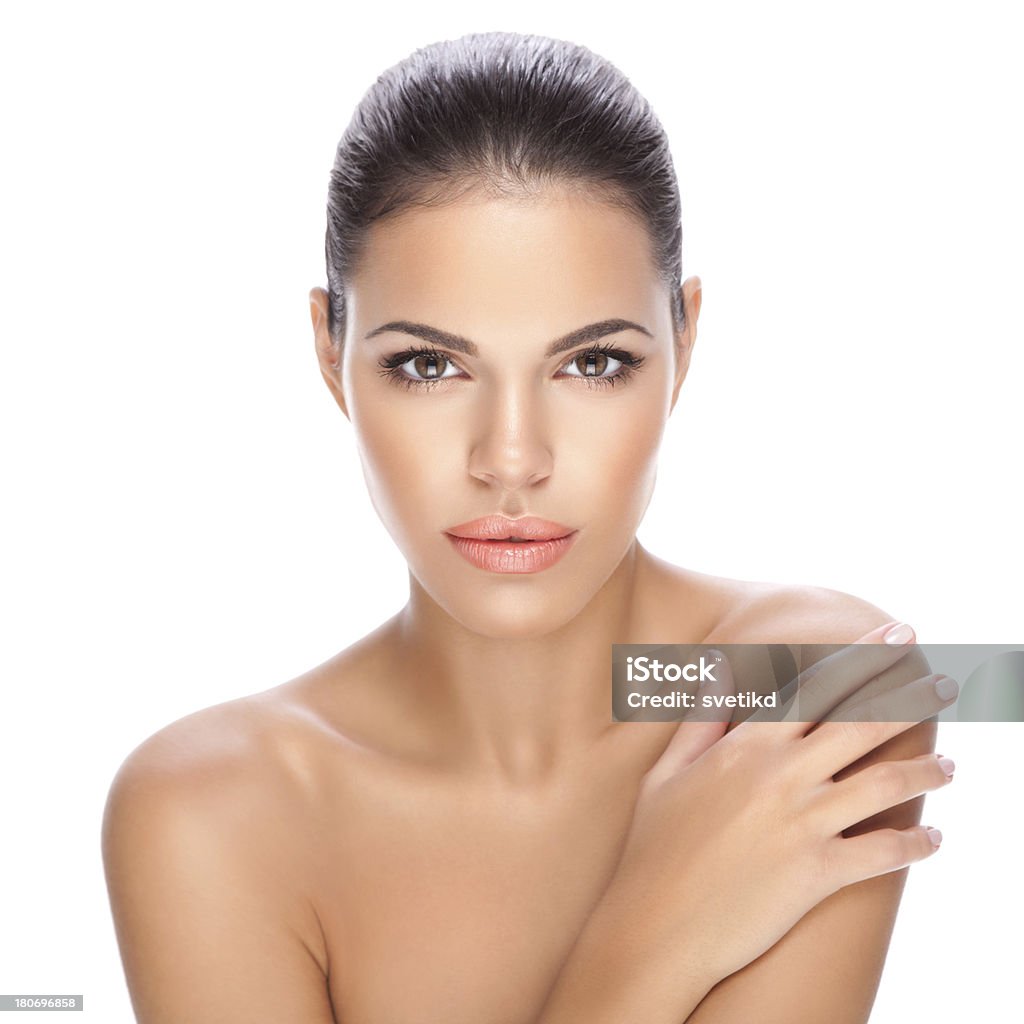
(442, 823)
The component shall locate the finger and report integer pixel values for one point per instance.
(834, 745)
(702, 727)
(828, 682)
(919, 699)
(879, 787)
(877, 853)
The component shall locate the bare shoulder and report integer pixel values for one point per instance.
(230, 755)
(200, 839)
(220, 783)
(259, 765)
(730, 610)
(799, 614)
(815, 621)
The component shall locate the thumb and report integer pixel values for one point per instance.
(703, 726)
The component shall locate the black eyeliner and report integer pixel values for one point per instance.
(390, 365)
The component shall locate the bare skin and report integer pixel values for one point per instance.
(398, 881)
(418, 829)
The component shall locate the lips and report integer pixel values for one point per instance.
(503, 528)
(503, 545)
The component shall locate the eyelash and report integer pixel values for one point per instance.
(391, 366)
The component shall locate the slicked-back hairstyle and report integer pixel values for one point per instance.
(503, 114)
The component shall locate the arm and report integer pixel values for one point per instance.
(208, 923)
(617, 972)
(828, 966)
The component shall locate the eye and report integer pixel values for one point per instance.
(418, 367)
(593, 363)
(602, 366)
(428, 366)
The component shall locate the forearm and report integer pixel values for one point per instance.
(622, 968)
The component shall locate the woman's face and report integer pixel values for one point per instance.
(469, 400)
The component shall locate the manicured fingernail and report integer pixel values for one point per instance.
(948, 765)
(901, 633)
(935, 836)
(946, 688)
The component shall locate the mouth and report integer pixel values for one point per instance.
(503, 545)
(521, 530)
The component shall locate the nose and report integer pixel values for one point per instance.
(512, 447)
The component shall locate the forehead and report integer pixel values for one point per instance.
(547, 258)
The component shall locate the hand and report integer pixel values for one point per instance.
(735, 837)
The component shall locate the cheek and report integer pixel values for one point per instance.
(608, 460)
(398, 459)
(405, 451)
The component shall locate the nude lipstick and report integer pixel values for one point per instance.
(500, 544)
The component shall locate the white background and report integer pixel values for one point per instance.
(184, 517)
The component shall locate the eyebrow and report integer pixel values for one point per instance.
(454, 341)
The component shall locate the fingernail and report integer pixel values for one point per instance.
(901, 633)
(946, 688)
(948, 765)
(935, 836)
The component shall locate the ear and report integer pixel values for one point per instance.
(687, 336)
(328, 352)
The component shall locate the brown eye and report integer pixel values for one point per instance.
(429, 366)
(419, 367)
(602, 367)
(598, 364)
(591, 364)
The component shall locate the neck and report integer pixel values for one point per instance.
(523, 707)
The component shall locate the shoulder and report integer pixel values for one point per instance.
(206, 822)
(815, 621)
(798, 614)
(203, 835)
(731, 610)
(217, 743)
(228, 766)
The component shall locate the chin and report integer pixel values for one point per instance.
(521, 608)
(527, 625)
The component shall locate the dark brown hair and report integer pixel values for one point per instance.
(508, 114)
